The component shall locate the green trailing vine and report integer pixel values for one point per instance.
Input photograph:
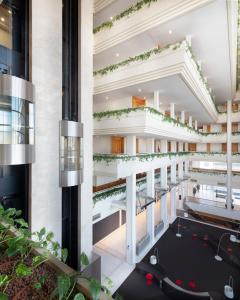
(140, 57)
(215, 172)
(126, 111)
(126, 13)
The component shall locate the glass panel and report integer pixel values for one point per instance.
(13, 38)
(70, 153)
(16, 121)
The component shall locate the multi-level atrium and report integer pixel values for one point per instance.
(120, 142)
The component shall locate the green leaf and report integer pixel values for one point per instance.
(22, 223)
(63, 286)
(49, 236)
(41, 233)
(37, 286)
(38, 260)
(3, 296)
(22, 270)
(84, 261)
(4, 279)
(64, 254)
(43, 279)
(79, 296)
(95, 289)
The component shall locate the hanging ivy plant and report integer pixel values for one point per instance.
(126, 111)
(215, 172)
(140, 57)
(126, 13)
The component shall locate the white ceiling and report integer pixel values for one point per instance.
(169, 88)
(210, 42)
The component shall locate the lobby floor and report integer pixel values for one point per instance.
(188, 261)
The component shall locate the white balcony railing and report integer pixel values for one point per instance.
(173, 60)
(118, 166)
(147, 120)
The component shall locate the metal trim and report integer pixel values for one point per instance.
(71, 128)
(16, 87)
(70, 178)
(16, 154)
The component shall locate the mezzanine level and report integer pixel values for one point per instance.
(173, 65)
(147, 121)
(122, 165)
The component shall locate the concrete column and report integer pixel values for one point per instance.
(180, 164)
(195, 124)
(190, 121)
(85, 11)
(204, 128)
(131, 218)
(229, 154)
(150, 193)
(46, 73)
(186, 147)
(183, 116)
(173, 166)
(156, 100)
(172, 110)
(131, 144)
(164, 185)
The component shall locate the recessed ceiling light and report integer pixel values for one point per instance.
(139, 90)
(2, 19)
(9, 11)
(170, 31)
(117, 54)
(111, 18)
(106, 97)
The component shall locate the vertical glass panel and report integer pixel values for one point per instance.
(70, 153)
(14, 38)
(16, 121)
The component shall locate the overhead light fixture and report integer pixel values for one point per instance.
(2, 19)
(10, 12)
(139, 90)
(117, 54)
(170, 31)
(111, 18)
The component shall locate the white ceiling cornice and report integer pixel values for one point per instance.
(143, 20)
(100, 4)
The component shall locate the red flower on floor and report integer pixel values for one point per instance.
(178, 282)
(149, 282)
(149, 276)
(192, 284)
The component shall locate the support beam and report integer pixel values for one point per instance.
(173, 166)
(131, 218)
(131, 144)
(183, 116)
(156, 100)
(195, 124)
(190, 121)
(229, 154)
(172, 110)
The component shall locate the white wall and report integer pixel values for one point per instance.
(112, 104)
(102, 144)
(201, 147)
(46, 206)
(216, 147)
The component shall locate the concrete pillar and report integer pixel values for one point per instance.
(150, 193)
(183, 116)
(229, 154)
(172, 110)
(46, 73)
(156, 100)
(131, 144)
(180, 164)
(186, 147)
(173, 165)
(196, 125)
(85, 79)
(131, 218)
(190, 121)
(164, 185)
(173, 180)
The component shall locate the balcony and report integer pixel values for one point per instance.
(145, 121)
(150, 16)
(214, 177)
(118, 166)
(173, 65)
